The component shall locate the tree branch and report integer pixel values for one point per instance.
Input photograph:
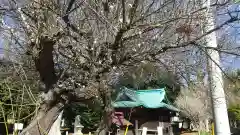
(132, 11)
(70, 4)
(123, 12)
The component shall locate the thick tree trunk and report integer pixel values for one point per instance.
(105, 123)
(43, 122)
(51, 107)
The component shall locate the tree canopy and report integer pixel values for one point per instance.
(77, 47)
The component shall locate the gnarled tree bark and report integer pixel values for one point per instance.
(51, 106)
(43, 121)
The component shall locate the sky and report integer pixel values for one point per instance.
(232, 32)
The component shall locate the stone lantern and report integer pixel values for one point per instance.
(78, 126)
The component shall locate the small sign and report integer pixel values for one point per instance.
(18, 126)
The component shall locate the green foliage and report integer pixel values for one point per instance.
(15, 102)
(90, 119)
(234, 112)
(149, 76)
(17, 94)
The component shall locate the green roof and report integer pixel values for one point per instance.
(153, 98)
